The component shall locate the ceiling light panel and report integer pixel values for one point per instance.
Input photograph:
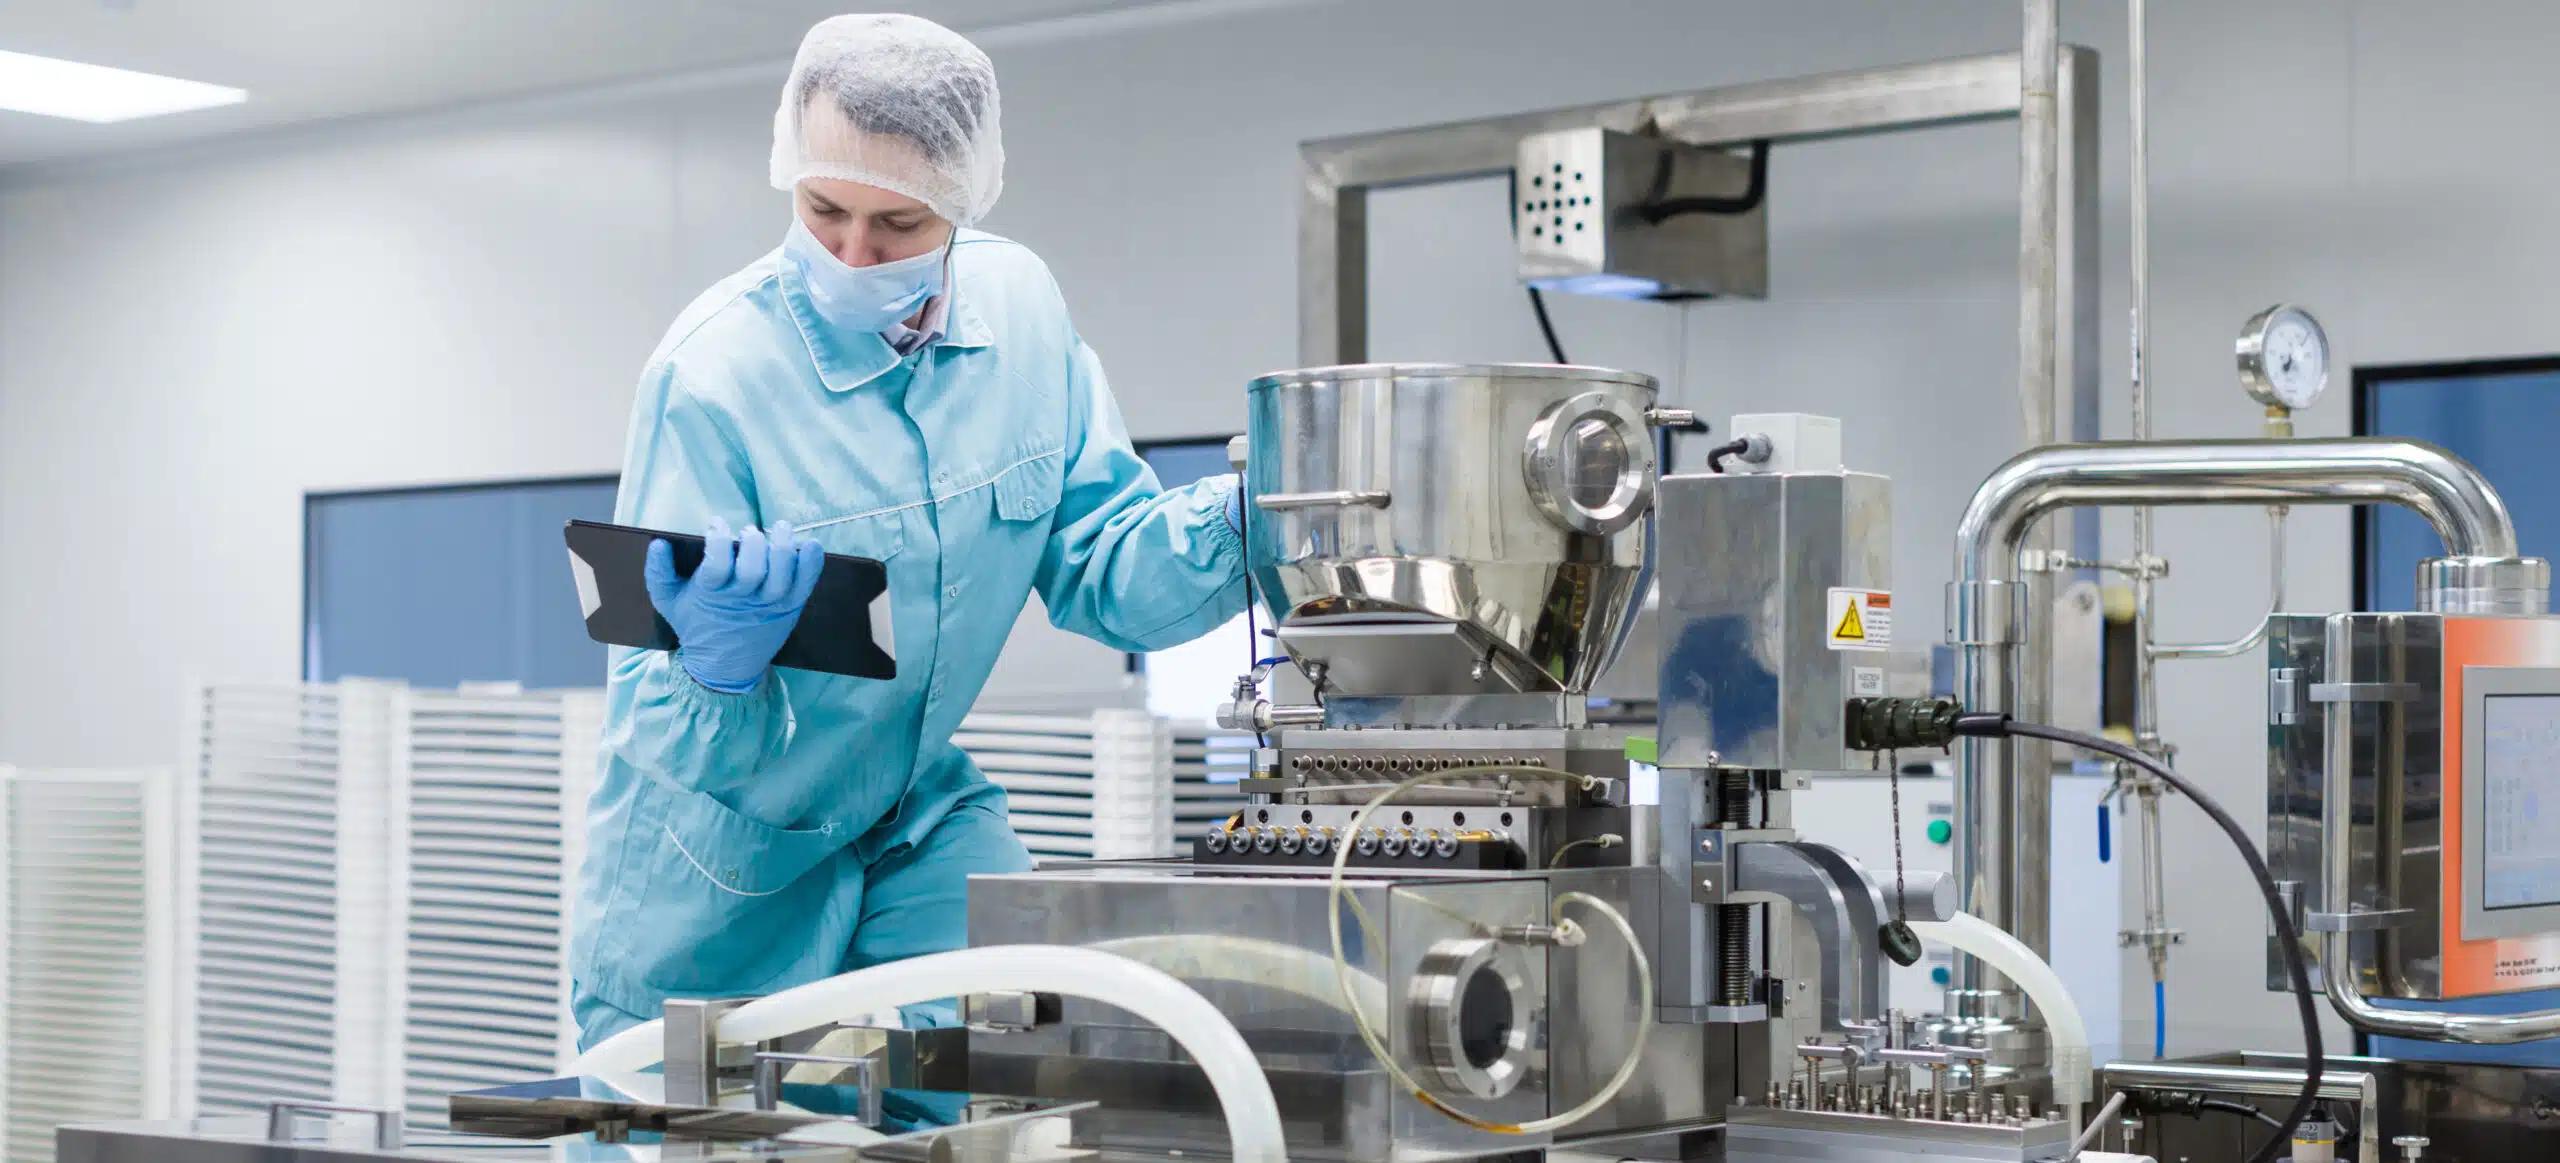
(95, 93)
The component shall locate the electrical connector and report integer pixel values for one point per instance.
(1899, 724)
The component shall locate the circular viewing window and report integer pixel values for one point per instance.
(1589, 465)
(1595, 456)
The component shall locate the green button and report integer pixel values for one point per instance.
(1941, 831)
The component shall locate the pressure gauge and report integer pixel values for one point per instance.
(2284, 357)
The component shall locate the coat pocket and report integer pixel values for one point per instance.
(724, 901)
(1029, 490)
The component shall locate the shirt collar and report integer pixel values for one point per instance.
(937, 316)
(848, 361)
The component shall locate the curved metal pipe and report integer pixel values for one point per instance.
(2338, 965)
(2003, 822)
(2257, 634)
(2416, 475)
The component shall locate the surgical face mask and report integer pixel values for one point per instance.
(863, 299)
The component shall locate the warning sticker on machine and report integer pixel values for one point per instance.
(1860, 619)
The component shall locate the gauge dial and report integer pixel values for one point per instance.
(2284, 357)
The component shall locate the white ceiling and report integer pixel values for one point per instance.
(308, 60)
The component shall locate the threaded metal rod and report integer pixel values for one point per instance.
(1733, 938)
(1733, 798)
(1733, 922)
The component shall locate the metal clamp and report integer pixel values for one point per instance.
(1011, 1010)
(2365, 692)
(1824, 1051)
(866, 1081)
(280, 1115)
(2358, 921)
(692, 1052)
(1673, 418)
(1332, 499)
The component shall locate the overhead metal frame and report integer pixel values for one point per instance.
(1337, 173)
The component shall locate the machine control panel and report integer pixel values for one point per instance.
(2505, 844)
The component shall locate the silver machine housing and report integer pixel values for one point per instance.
(1451, 555)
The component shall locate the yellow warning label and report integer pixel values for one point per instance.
(1859, 619)
(1851, 627)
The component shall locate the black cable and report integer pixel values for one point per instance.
(1252, 635)
(2349, 1130)
(1656, 209)
(1715, 457)
(2227, 1106)
(1546, 327)
(1987, 724)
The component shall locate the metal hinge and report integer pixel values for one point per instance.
(2284, 696)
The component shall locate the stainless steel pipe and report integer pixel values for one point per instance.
(2002, 819)
(2039, 215)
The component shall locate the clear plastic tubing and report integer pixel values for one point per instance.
(1253, 1117)
(1973, 935)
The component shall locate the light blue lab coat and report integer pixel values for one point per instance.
(740, 844)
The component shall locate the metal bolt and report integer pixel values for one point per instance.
(2411, 1146)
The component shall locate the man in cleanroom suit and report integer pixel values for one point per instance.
(889, 384)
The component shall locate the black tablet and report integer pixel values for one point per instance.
(843, 630)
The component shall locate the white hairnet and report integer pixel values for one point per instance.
(897, 102)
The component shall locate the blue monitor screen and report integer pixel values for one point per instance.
(1180, 462)
(2504, 418)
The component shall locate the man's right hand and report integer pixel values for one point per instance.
(732, 616)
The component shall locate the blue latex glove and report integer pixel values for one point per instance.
(732, 615)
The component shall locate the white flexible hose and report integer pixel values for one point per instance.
(1289, 969)
(1253, 1117)
(1972, 934)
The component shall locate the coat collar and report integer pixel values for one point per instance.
(848, 361)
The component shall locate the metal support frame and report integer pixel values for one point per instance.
(1336, 175)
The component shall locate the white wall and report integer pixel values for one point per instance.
(188, 344)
